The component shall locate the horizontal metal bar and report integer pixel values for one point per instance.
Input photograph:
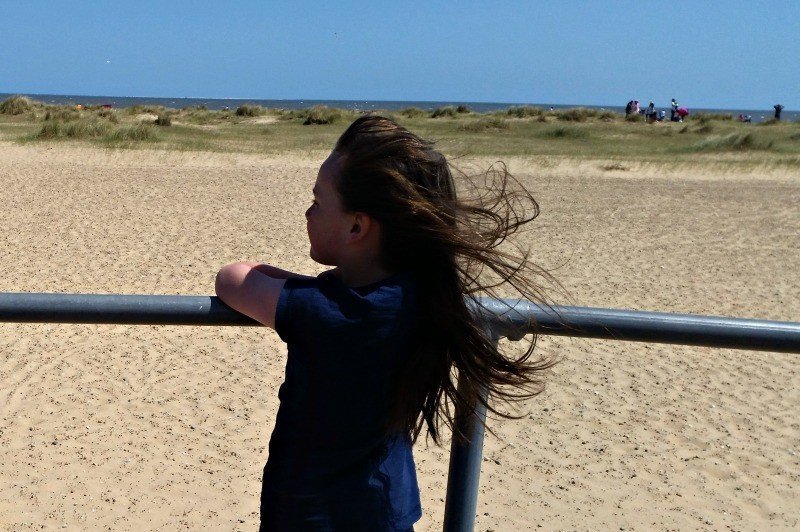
(513, 318)
(23, 307)
(507, 317)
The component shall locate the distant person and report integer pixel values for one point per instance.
(673, 111)
(629, 108)
(635, 109)
(778, 108)
(650, 112)
(661, 114)
(374, 342)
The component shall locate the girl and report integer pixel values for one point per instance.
(376, 343)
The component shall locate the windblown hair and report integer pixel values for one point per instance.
(457, 250)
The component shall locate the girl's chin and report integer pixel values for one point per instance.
(319, 260)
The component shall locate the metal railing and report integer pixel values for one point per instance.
(505, 318)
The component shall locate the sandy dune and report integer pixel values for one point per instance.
(132, 428)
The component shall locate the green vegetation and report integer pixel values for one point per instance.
(202, 116)
(249, 110)
(133, 132)
(702, 127)
(320, 114)
(412, 112)
(576, 114)
(731, 142)
(448, 111)
(525, 111)
(564, 132)
(484, 124)
(62, 115)
(164, 120)
(82, 128)
(707, 117)
(94, 128)
(108, 114)
(146, 109)
(15, 105)
(521, 131)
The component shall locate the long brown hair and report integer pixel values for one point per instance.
(457, 250)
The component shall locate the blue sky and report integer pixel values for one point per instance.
(732, 54)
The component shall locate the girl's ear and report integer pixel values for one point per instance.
(360, 228)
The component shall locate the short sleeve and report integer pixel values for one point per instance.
(284, 312)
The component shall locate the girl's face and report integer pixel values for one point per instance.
(326, 221)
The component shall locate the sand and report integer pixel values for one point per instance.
(165, 428)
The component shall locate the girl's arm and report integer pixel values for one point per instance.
(252, 289)
(275, 273)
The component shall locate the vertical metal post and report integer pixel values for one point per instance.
(465, 469)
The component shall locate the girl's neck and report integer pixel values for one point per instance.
(354, 276)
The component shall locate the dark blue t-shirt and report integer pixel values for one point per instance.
(331, 466)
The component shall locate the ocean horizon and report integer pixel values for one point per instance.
(758, 115)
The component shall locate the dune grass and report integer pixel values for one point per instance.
(489, 123)
(448, 111)
(108, 114)
(707, 117)
(94, 128)
(133, 132)
(577, 114)
(81, 128)
(517, 131)
(320, 114)
(736, 141)
(163, 120)
(411, 112)
(15, 105)
(249, 110)
(135, 110)
(62, 115)
(525, 111)
(564, 132)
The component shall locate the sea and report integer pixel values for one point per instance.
(758, 115)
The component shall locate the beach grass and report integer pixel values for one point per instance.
(82, 128)
(320, 115)
(489, 123)
(16, 105)
(163, 119)
(526, 131)
(249, 110)
(736, 141)
(564, 132)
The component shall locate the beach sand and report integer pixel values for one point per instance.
(165, 428)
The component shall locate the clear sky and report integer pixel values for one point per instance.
(720, 54)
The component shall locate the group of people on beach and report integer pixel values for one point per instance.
(651, 115)
(677, 113)
(749, 118)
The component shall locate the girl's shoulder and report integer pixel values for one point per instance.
(325, 302)
(330, 293)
